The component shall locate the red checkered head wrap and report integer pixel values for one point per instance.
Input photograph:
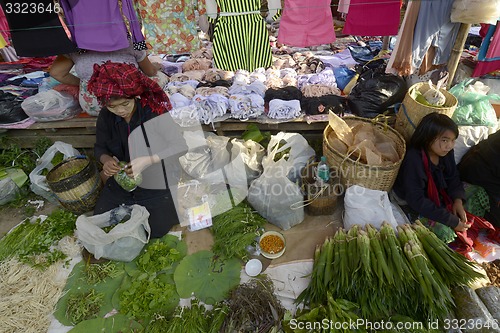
(125, 80)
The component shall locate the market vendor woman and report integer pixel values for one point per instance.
(133, 127)
(428, 183)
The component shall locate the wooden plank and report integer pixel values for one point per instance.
(70, 123)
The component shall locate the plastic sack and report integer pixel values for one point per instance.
(475, 11)
(122, 243)
(8, 191)
(363, 206)
(206, 156)
(342, 76)
(51, 105)
(10, 109)
(375, 92)
(251, 154)
(469, 136)
(474, 107)
(274, 195)
(38, 181)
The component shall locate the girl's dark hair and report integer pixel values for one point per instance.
(430, 128)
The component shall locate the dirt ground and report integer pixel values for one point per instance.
(11, 216)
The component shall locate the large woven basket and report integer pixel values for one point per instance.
(318, 201)
(79, 192)
(351, 172)
(411, 111)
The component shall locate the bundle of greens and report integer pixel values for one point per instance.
(409, 274)
(127, 183)
(235, 230)
(32, 242)
(84, 306)
(99, 272)
(253, 307)
(194, 319)
(335, 311)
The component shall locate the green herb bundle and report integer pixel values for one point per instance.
(253, 307)
(32, 241)
(409, 274)
(84, 306)
(236, 229)
(193, 319)
(99, 272)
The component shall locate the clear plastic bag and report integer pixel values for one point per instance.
(38, 180)
(474, 106)
(51, 105)
(122, 243)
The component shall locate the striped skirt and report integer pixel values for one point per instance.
(241, 42)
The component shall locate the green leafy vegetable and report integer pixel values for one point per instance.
(236, 229)
(116, 324)
(127, 183)
(31, 240)
(208, 277)
(83, 306)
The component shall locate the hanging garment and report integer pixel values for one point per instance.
(400, 61)
(306, 23)
(489, 53)
(373, 18)
(170, 25)
(36, 34)
(434, 28)
(4, 27)
(344, 6)
(241, 39)
(103, 26)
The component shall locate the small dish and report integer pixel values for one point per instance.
(278, 243)
(253, 267)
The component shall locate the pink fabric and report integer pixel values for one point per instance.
(484, 67)
(373, 18)
(4, 26)
(494, 48)
(306, 23)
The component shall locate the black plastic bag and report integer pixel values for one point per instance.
(375, 92)
(10, 109)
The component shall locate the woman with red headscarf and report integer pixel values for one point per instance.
(133, 127)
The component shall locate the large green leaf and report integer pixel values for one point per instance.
(210, 279)
(77, 283)
(115, 324)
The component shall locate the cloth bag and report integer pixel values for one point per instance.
(122, 243)
(475, 11)
(363, 206)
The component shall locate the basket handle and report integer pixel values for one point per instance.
(401, 105)
(303, 203)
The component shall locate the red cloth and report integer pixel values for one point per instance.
(373, 18)
(126, 80)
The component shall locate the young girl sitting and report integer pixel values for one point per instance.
(428, 181)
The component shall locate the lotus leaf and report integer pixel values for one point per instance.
(209, 278)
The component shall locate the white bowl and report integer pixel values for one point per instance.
(253, 267)
(272, 255)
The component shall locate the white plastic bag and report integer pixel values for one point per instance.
(277, 198)
(363, 206)
(251, 154)
(38, 181)
(122, 243)
(51, 105)
(475, 11)
(468, 136)
(295, 146)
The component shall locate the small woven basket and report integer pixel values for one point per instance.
(318, 201)
(78, 192)
(351, 172)
(411, 111)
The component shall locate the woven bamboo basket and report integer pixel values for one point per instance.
(411, 112)
(351, 172)
(319, 201)
(79, 192)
